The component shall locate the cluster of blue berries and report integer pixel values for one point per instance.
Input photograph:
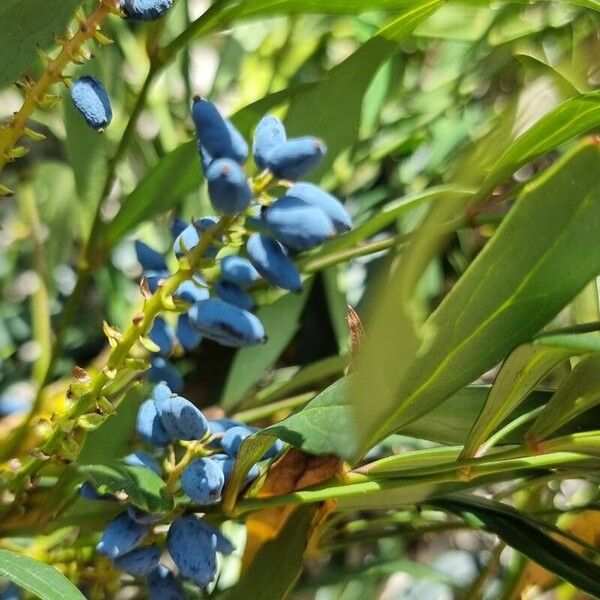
(88, 94)
(166, 419)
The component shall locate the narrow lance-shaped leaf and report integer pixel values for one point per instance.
(579, 392)
(522, 279)
(521, 371)
(40, 579)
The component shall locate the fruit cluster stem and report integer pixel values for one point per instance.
(35, 93)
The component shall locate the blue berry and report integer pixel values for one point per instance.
(121, 535)
(222, 543)
(161, 333)
(216, 135)
(272, 262)
(203, 480)
(227, 465)
(188, 336)
(297, 224)
(239, 271)
(183, 420)
(189, 238)
(233, 438)
(229, 292)
(149, 425)
(11, 592)
(228, 187)
(221, 425)
(274, 450)
(140, 561)
(150, 259)
(142, 459)
(145, 10)
(155, 278)
(91, 100)
(162, 370)
(192, 547)
(163, 585)
(269, 134)
(295, 158)
(319, 198)
(177, 226)
(227, 324)
(188, 291)
(160, 395)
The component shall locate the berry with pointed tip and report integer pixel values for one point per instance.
(121, 535)
(160, 394)
(155, 278)
(222, 543)
(142, 459)
(92, 101)
(228, 187)
(145, 10)
(192, 547)
(161, 333)
(238, 270)
(227, 324)
(188, 336)
(149, 425)
(296, 157)
(297, 224)
(269, 134)
(319, 198)
(163, 585)
(162, 370)
(140, 561)
(149, 258)
(216, 135)
(229, 292)
(203, 480)
(183, 420)
(272, 262)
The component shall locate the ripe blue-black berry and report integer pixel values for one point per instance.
(228, 187)
(233, 438)
(142, 459)
(161, 333)
(149, 425)
(239, 271)
(163, 585)
(145, 10)
(150, 259)
(227, 324)
(229, 292)
(228, 463)
(91, 100)
(183, 420)
(269, 134)
(296, 157)
(89, 492)
(121, 535)
(217, 137)
(297, 224)
(140, 561)
(189, 238)
(191, 292)
(188, 336)
(162, 370)
(203, 480)
(192, 547)
(272, 262)
(319, 198)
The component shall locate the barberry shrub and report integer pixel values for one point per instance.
(299, 299)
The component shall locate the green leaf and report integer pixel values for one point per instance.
(280, 558)
(40, 579)
(576, 394)
(338, 306)
(574, 342)
(25, 25)
(332, 107)
(526, 536)
(281, 321)
(324, 426)
(144, 488)
(520, 373)
(522, 279)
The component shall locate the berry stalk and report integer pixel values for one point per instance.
(36, 93)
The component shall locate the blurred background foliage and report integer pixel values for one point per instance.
(405, 122)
